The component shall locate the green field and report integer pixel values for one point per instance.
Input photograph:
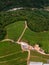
(14, 30)
(11, 54)
(35, 56)
(12, 27)
(41, 38)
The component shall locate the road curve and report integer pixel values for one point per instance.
(7, 40)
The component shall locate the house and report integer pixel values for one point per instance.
(24, 46)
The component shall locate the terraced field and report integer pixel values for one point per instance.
(11, 54)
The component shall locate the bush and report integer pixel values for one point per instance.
(2, 33)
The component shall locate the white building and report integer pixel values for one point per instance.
(24, 46)
(35, 63)
(45, 64)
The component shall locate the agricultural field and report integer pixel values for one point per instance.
(14, 30)
(29, 36)
(24, 31)
(11, 54)
(35, 56)
(41, 38)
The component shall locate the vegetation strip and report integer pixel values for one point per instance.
(38, 57)
(9, 60)
(9, 54)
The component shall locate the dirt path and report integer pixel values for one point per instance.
(19, 8)
(8, 40)
(43, 53)
(22, 32)
(28, 59)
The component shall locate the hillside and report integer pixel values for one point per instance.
(32, 17)
(12, 25)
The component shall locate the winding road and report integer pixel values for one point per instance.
(19, 8)
(8, 40)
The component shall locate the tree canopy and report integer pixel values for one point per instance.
(7, 4)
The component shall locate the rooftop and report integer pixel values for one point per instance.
(37, 63)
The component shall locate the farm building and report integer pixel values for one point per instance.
(35, 63)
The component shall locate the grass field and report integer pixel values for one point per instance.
(11, 54)
(41, 38)
(14, 30)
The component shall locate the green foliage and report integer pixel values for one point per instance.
(11, 17)
(2, 33)
(8, 18)
(7, 4)
(39, 21)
